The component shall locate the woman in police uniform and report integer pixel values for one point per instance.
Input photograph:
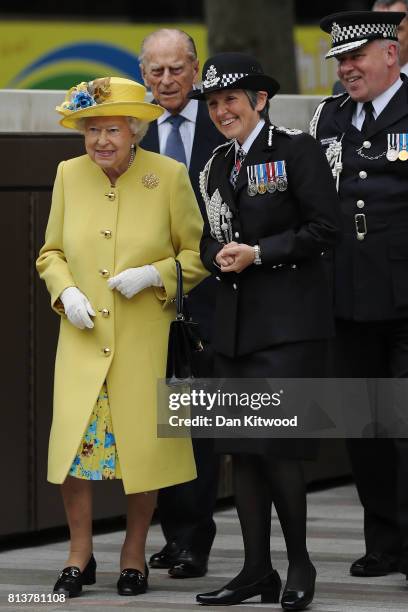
(272, 212)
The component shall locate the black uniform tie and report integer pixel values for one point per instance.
(369, 117)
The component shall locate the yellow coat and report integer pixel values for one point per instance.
(88, 232)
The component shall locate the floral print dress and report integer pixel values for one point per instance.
(97, 457)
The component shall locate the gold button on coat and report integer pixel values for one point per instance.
(106, 351)
(104, 272)
(111, 196)
(105, 313)
(106, 233)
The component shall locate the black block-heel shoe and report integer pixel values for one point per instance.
(132, 581)
(293, 599)
(71, 579)
(268, 588)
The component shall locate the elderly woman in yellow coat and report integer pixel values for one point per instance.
(119, 218)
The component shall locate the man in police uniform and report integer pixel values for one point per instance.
(365, 134)
(169, 67)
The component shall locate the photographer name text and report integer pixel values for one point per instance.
(222, 421)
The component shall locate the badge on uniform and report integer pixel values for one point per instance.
(397, 147)
(267, 178)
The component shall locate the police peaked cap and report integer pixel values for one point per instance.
(234, 71)
(353, 29)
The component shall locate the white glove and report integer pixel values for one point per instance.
(77, 308)
(131, 281)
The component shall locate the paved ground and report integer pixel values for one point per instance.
(335, 527)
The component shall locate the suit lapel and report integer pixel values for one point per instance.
(396, 109)
(343, 116)
(198, 156)
(150, 142)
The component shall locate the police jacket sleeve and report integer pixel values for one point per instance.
(209, 247)
(317, 222)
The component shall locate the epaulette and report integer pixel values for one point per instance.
(316, 116)
(222, 146)
(334, 96)
(289, 131)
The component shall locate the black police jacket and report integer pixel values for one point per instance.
(287, 298)
(371, 261)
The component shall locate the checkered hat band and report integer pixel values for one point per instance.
(228, 79)
(386, 30)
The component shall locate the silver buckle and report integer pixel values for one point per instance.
(361, 225)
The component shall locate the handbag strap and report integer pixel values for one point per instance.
(179, 292)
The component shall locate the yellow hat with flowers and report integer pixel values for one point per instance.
(107, 97)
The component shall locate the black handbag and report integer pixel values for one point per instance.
(185, 347)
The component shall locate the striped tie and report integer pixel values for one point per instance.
(239, 158)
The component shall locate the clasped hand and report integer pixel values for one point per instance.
(235, 257)
(133, 280)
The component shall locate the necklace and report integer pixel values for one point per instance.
(131, 160)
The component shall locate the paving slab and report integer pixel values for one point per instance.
(335, 526)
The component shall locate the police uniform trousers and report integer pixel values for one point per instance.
(307, 359)
(378, 349)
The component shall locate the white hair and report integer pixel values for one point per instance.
(137, 126)
(174, 36)
(384, 42)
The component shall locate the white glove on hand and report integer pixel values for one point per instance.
(77, 308)
(131, 281)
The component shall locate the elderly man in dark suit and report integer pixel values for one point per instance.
(364, 132)
(169, 67)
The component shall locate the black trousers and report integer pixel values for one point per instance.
(186, 510)
(378, 349)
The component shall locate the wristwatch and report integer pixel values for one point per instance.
(257, 250)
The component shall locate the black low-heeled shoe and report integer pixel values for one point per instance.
(166, 557)
(132, 581)
(189, 564)
(268, 588)
(71, 579)
(292, 599)
(375, 564)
